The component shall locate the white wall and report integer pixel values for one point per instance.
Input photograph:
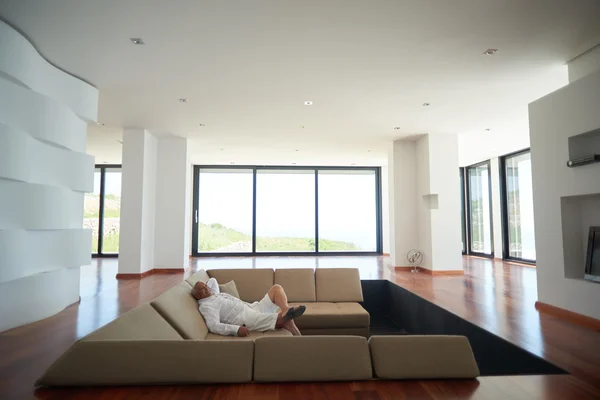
(44, 173)
(172, 204)
(584, 64)
(553, 119)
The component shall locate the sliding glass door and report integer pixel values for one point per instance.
(102, 210)
(347, 210)
(517, 207)
(479, 211)
(286, 210)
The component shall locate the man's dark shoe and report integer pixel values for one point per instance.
(294, 312)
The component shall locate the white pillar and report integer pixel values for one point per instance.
(402, 200)
(424, 201)
(172, 239)
(496, 210)
(444, 189)
(138, 197)
(44, 173)
(385, 210)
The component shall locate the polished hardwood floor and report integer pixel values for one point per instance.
(497, 296)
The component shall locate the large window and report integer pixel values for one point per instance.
(102, 210)
(517, 207)
(479, 209)
(290, 210)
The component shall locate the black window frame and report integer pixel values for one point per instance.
(103, 168)
(463, 208)
(468, 208)
(316, 169)
(504, 208)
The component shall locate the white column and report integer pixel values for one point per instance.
(402, 200)
(385, 210)
(424, 193)
(138, 198)
(496, 207)
(444, 186)
(44, 173)
(172, 239)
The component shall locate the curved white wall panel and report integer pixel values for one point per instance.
(21, 250)
(37, 297)
(44, 173)
(41, 117)
(26, 159)
(21, 60)
(27, 206)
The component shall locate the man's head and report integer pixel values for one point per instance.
(201, 291)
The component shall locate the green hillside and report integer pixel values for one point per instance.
(215, 237)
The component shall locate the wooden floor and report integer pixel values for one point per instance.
(497, 296)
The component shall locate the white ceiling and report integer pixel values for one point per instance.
(246, 67)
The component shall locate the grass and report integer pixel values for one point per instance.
(216, 236)
(110, 243)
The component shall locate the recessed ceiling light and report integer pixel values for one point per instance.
(368, 151)
(104, 162)
(183, 100)
(293, 163)
(201, 125)
(138, 41)
(222, 149)
(297, 150)
(490, 52)
(426, 104)
(353, 164)
(99, 124)
(396, 128)
(232, 162)
(487, 129)
(308, 103)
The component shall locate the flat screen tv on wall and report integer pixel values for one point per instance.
(592, 263)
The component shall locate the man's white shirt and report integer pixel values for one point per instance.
(221, 311)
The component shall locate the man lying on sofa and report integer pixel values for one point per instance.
(227, 315)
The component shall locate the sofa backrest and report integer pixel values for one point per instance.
(338, 285)
(180, 309)
(199, 276)
(252, 284)
(142, 323)
(298, 283)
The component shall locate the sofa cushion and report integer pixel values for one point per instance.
(338, 284)
(332, 315)
(251, 336)
(200, 275)
(252, 284)
(180, 309)
(229, 288)
(298, 283)
(311, 358)
(140, 323)
(151, 362)
(422, 357)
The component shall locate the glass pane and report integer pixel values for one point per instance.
(347, 211)
(285, 211)
(479, 199)
(462, 211)
(519, 194)
(112, 211)
(225, 211)
(91, 211)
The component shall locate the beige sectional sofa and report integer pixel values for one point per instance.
(167, 341)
